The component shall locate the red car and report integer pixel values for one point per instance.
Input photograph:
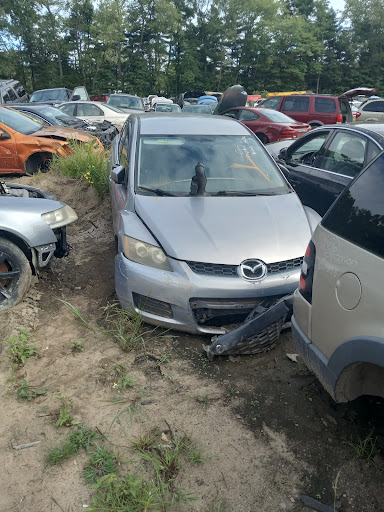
(269, 125)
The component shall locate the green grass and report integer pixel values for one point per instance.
(128, 493)
(82, 438)
(19, 350)
(86, 162)
(27, 392)
(102, 462)
(365, 448)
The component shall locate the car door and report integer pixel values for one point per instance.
(372, 111)
(296, 107)
(8, 154)
(81, 92)
(89, 112)
(299, 159)
(119, 191)
(335, 167)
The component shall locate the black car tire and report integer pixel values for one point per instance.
(13, 262)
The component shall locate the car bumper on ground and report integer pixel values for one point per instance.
(196, 302)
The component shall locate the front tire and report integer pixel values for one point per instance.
(15, 274)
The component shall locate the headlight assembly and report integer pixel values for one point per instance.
(59, 218)
(145, 254)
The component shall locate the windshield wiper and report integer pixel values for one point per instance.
(157, 191)
(242, 193)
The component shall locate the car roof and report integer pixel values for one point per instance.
(374, 130)
(188, 124)
(53, 89)
(125, 94)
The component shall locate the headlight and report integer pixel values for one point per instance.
(59, 218)
(145, 254)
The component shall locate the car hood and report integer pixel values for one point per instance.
(63, 132)
(227, 230)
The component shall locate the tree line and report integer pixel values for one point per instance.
(169, 46)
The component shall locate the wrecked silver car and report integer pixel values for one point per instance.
(206, 223)
(32, 232)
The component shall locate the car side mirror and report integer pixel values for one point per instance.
(285, 171)
(118, 174)
(283, 153)
(4, 136)
(76, 97)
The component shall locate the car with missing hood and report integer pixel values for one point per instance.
(206, 224)
(32, 232)
(52, 116)
(27, 145)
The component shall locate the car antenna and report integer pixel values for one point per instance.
(199, 181)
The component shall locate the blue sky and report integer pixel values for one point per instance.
(338, 5)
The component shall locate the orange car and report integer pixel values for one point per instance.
(27, 145)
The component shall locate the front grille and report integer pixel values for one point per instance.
(153, 306)
(215, 269)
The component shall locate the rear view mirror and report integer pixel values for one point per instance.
(283, 154)
(118, 174)
(76, 97)
(4, 136)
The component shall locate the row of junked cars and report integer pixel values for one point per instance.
(213, 231)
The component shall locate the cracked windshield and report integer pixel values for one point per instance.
(218, 165)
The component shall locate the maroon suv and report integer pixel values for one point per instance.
(315, 109)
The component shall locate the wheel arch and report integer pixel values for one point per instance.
(39, 157)
(358, 365)
(21, 244)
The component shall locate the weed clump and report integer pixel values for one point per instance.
(82, 438)
(19, 350)
(86, 162)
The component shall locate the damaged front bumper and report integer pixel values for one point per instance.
(43, 254)
(258, 333)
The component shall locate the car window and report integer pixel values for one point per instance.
(358, 215)
(49, 95)
(234, 113)
(374, 106)
(18, 121)
(345, 154)
(86, 109)
(325, 105)
(248, 115)
(233, 165)
(34, 116)
(126, 102)
(372, 151)
(20, 90)
(296, 104)
(68, 109)
(277, 117)
(308, 149)
(272, 103)
(9, 96)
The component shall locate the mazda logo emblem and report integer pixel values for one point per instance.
(253, 270)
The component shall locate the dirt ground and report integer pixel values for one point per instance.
(268, 432)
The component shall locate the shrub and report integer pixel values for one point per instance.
(86, 162)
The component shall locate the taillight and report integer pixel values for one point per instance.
(357, 114)
(289, 132)
(339, 118)
(307, 271)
